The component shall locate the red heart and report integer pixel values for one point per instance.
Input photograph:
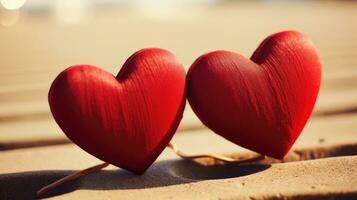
(261, 104)
(126, 120)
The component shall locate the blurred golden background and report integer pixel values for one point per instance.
(40, 38)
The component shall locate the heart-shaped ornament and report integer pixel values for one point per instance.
(126, 120)
(263, 103)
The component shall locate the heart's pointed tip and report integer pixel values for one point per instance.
(272, 151)
(136, 169)
(88, 104)
(279, 155)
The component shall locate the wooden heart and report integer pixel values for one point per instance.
(263, 103)
(126, 120)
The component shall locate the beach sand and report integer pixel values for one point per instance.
(34, 152)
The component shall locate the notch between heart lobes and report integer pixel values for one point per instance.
(262, 103)
(126, 121)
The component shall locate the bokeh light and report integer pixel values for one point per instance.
(12, 4)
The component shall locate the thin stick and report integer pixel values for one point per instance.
(70, 178)
(214, 156)
(172, 146)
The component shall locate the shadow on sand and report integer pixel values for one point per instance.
(24, 185)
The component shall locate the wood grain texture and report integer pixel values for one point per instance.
(37, 48)
(125, 120)
(261, 104)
